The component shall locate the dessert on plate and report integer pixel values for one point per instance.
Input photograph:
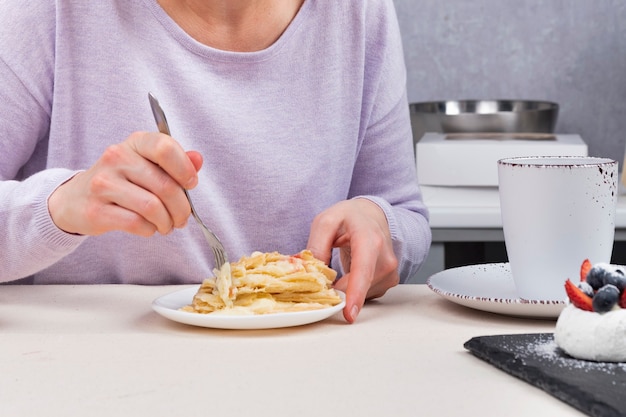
(265, 283)
(593, 325)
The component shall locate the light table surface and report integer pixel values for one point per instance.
(101, 351)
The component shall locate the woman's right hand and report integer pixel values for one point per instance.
(136, 186)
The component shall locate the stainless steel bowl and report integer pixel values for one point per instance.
(483, 116)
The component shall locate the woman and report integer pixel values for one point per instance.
(289, 121)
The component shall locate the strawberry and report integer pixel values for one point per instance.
(577, 297)
(622, 299)
(584, 269)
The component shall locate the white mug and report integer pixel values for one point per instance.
(556, 212)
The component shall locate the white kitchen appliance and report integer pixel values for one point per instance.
(470, 159)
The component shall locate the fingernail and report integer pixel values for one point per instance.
(354, 312)
(191, 183)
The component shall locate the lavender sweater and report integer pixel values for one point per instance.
(318, 117)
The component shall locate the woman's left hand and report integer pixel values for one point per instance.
(359, 228)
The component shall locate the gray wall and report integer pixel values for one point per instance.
(572, 52)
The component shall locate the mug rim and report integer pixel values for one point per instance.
(556, 161)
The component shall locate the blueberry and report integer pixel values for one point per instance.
(605, 299)
(616, 277)
(598, 275)
(586, 288)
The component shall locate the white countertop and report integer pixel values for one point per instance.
(479, 207)
(102, 351)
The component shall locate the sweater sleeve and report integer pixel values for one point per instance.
(385, 170)
(30, 241)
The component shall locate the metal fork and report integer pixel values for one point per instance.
(211, 238)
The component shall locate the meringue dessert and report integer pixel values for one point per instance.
(593, 325)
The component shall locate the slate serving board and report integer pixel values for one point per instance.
(596, 388)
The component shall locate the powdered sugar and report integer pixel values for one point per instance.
(596, 388)
(545, 349)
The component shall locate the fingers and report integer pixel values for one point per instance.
(135, 186)
(359, 280)
(130, 181)
(196, 159)
(372, 271)
(324, 231)
(140, 198)
(359, 229)
(103, 218)
(166, 153)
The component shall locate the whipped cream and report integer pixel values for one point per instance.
(592, 336)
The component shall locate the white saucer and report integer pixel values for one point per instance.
(169, 307)
(490, 287)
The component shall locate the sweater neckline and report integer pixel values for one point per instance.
(201, 49)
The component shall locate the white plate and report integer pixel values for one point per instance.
(490, 287)
(168, 306)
